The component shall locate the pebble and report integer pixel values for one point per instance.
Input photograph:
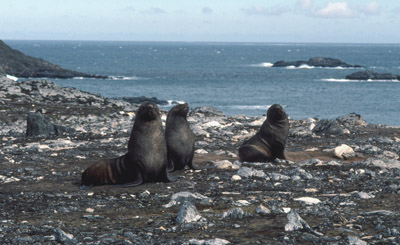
(308, 200)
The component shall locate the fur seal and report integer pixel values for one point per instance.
(146, 160)
(269, 142)
(180, 138)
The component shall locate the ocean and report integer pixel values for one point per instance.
(236, 78)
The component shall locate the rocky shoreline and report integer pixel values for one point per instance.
(340, 184)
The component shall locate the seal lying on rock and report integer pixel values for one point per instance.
(146, 159)
(180, 138)
(269, 142)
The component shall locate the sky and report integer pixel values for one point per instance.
(314, 21)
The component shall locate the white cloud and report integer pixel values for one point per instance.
(274, 10)
(154, 10)
(371, 8)
(335, 10)
(206, 10)
(304, 5)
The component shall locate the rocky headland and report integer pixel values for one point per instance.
(315, 62)
(370, 75)
(340, 183)
(15, 63)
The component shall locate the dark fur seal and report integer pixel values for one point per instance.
(269, 142)
(180, 138)
(146, 159)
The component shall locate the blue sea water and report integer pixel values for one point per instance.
(236, 78)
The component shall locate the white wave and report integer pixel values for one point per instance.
(248, 107)
(125, 78)
(264, 64)
(305, 66)
(12, 77)
(351, 80)
(336, 80)
(174, 102)
(78, 78)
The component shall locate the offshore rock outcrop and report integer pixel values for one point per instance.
(370, 75)
(316, 62)
(15, 63)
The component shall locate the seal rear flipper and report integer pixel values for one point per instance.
(253, 153)
(165, 177)
(136, 182)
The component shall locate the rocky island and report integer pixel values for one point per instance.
(15, 63)
(316, 62)
(370, 75)
(339, 185)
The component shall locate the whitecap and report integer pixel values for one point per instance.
(306, 67)
(351, 80)
(263, 64)
(337, 80)
(12, 77)
(126, 78)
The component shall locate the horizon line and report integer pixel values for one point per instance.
(177, 41)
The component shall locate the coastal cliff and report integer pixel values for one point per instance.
(15, 63)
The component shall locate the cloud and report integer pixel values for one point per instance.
(274, 10)
(129, 9)
(304, 5)
(206, 10)
(336, 10)
(371, 8)
(153, 10)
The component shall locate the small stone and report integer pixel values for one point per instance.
(343, 152)
(308, 200)
(236, 177)
(90, 210)
(362, 195)
(184, 196)
(235, 213)
(263, 210)
(241, 203)
(188, 214)
(224, 164)
(144, 194)
(248, 172)
(201, 151)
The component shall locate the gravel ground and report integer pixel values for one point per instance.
(314, 197)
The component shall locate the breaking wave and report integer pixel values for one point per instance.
(264, 64)
(351, 81)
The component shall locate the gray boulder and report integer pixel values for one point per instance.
(329, 127)
(38, 125)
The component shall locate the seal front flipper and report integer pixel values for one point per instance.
(137, 182)
(171, 166)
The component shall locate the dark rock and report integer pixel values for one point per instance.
(235, 213)
(208, 111)
(370, 75)
(141, 99)
(317, 62)
(328, 127)
(15, 63)
(38, 125)
(352, 120)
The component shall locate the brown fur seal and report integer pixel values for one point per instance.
(180, 138)
(146, 159)
(269, 142)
